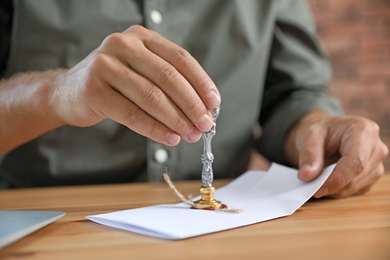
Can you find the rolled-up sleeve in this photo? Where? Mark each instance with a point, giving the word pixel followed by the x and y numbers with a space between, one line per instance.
pixel 297 78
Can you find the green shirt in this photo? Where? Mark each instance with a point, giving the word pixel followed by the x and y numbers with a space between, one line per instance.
pixel 263 56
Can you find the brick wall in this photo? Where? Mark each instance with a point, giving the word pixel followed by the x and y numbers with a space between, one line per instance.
pixel 356 36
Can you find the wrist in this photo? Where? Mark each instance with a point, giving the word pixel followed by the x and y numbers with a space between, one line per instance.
pixel 26 108
pixel 46 101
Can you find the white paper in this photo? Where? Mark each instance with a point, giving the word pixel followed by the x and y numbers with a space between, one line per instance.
pixel 261 195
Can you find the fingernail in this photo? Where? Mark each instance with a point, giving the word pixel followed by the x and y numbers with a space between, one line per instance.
pixel 205 123
pixel 213 99
pixel 193 135
pixel 306 167
pixel 172 139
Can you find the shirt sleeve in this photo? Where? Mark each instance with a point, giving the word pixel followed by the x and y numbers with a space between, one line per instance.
pixel 5 32
pixel 297 78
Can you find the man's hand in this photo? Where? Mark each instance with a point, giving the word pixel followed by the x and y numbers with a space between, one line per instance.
pixel 319 139
pixel 143 81
pixel 137 78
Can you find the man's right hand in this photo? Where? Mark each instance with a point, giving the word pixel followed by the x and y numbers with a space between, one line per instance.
pixel 137 78
pixel 143 81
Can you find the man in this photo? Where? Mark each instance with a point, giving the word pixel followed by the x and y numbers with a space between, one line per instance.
pixel 104 91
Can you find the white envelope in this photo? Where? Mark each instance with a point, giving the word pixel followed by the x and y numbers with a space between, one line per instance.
pixel 261 195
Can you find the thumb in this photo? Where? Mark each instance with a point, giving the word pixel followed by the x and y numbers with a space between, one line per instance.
pixel 311 155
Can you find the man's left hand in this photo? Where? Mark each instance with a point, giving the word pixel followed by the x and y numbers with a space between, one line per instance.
pixel 319 139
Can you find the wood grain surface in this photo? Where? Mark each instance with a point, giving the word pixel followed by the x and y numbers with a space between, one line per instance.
pixel 352 228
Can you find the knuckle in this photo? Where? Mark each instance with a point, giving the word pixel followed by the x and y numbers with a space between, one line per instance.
pixel 133 116
pixel 340 185
pixel 181 57
pixel 114 40
pixel 138 30
pixel 119 42
pixel 385 150
pixel 154 129
pixel 195 106
pixel 372 127
pixel 358 164
pixel 100 62
pixel 154 97
pixel 311 129
pixel 92 81
pixel 375 128
pixel 180 124
pixel 205 82
pixel 308 137
pixel 357 124
pixel 168 75
pixel 379 172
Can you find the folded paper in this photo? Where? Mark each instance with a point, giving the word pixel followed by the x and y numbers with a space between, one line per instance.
pixel 262 196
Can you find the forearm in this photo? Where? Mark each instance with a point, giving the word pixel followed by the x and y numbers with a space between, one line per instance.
pixel 26 109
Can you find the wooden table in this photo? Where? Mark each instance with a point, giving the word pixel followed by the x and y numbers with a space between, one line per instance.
pixel 352 228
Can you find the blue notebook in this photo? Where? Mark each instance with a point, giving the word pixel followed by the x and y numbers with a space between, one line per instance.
pixel 15 224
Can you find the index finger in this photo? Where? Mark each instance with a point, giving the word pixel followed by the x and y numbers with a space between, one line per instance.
pixel 188 66
pixel 346 170
pixel 356 149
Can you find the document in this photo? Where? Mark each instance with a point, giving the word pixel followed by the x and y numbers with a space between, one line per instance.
pixel 261 196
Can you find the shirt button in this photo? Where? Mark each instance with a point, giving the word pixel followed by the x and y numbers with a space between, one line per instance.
pixel 156 16
pixel 161 155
